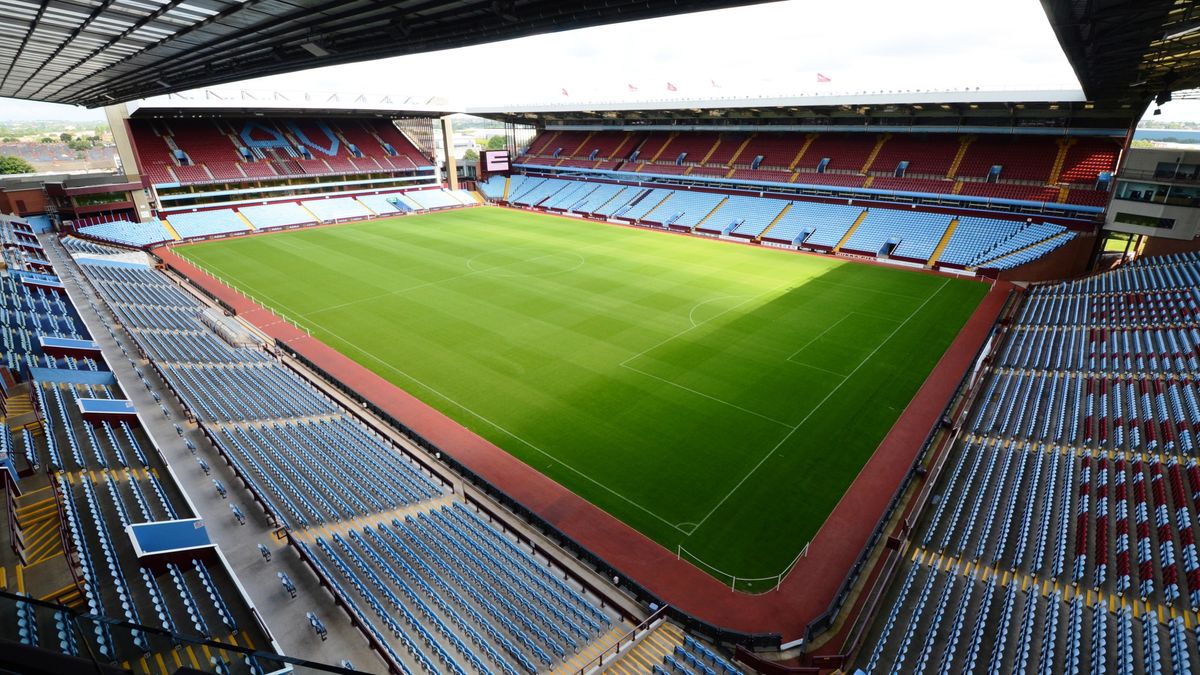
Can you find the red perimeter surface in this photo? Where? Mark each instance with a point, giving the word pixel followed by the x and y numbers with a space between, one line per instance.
pixel 804 594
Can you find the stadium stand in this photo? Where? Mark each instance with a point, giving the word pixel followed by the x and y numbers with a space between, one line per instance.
pixel 336 209
pixel 129 233
pixel 442 583
pixel 1064 538
pixel 1030 168
pixel 83 483
pixel 207 223
pixel 909 235
pixel 234 150
pixel 380 204
pixel 277 215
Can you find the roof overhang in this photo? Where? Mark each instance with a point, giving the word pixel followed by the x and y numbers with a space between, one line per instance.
pixel 1059 108
pixel 252 102
pixel 96 52
pixel 1129 51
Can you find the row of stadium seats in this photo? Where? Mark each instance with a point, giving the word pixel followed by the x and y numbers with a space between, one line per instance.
pixel 129 233
pixel 1032 159
pixel 189 151
pixel 973 242
pixel 243 219
pixel 1068 506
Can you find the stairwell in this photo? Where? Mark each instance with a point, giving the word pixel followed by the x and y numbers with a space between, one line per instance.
pixel 941 246
pixel 850 232
pixel 775 221
pixel 958 157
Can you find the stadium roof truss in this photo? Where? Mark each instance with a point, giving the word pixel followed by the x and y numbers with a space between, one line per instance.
pixel 1130 52
pixel 96 52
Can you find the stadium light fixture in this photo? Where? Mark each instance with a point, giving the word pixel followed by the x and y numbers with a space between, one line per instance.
pixel 315 49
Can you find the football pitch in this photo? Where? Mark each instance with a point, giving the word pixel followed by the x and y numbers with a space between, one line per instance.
pixel 714 396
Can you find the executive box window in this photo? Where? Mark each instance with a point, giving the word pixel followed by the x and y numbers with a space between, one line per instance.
pixel 1143 221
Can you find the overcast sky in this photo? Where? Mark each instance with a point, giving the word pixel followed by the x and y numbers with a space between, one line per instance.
pixel 776 48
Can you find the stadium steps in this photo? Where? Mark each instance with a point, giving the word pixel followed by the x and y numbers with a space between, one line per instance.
pixel 577 149
pixel 249 225
pixel 941 246
pixel 305 208
pixel 1066 234
pixel 1062 194
pixel 786 208
pixel 171 229
pixel 656 206
pixel 608 201
pixel 958 157
pixel 738 153
pixel 39 527
pixel 187 655
pixel 17 404
pixel 711 213
pixel 477 197
pixel 616 153
pixel 850 232
pixel 664 147
pixel 957 189
pixel 68 595
pixel 369 209
pixel 1064 145
pixel 507 184
pixel 875 152
pixel 868 181
pixel 580 661
pixel 1047 587
pixel 649 652
pixel 710 152
pixel 344 527
pixel 808 140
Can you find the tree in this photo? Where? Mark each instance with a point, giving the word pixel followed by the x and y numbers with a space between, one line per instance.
pixel 470 155
pixel 497 143
pixel 65 137
pixel 11 164
pixel 47 139
pixel 10 139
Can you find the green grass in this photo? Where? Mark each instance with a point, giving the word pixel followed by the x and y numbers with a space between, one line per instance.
pixel 717 396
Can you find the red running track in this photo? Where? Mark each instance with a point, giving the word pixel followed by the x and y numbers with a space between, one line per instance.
pixel 803 595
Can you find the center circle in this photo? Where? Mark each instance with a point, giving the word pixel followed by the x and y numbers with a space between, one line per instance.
pixel 524 261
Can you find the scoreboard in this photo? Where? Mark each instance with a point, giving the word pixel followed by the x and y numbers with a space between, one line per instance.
pixel 493 161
